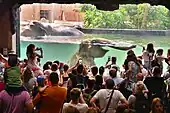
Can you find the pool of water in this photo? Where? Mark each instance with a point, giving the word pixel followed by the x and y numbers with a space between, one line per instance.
pixel 64 50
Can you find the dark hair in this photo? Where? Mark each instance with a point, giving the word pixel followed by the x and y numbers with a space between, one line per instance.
pixel 54 67
pixel 73 79
pixel 54 78
pixel 74 72
pixel 46 66
pixel 150 48
pixel 110 84
pixel 75 94
pixel 30 49
pixel 94 70
pixel 80 69
pixel 114 59
pixel 168 53
pixel 49 63
pixel 101 70
pixel 90 83
pixel 65 67
pixel 131 57
pixel 12 60
pixel 156 71
pixel 99 80
pixel 113 73
pixel 130 52
pixel 159 51
pixel 57 62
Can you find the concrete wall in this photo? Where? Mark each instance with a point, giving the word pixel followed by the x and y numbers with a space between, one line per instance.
pixel 66 12
pixel 5 32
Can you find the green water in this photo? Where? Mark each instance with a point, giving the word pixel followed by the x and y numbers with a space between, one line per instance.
pixel 64 51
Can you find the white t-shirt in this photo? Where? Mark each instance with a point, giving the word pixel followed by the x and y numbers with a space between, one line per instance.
pixel 82 108
pixel 146 55
pixel 103 96
pixel 117 80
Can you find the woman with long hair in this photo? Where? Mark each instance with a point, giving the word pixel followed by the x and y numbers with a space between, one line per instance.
pixel 131 64
pixel 32 59
pixel 148 56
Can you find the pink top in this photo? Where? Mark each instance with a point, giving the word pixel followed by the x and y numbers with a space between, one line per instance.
pixel 14 103
pixel 2 86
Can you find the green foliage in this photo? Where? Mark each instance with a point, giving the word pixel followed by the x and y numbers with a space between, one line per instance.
pixel 142 16
pixel 88 7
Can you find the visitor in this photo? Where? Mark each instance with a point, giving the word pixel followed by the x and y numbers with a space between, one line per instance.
pixel 143 70
pixel 98 83
pixel 113 74
pixel 32 59
pixel 168 57
pixel 140 78
pixel 12 74
pixel 77 101
pixel 52 98
pixel 81 78
pixel 132 65
pixel 15 100
pixel 160 58
pixel 29 81
pixel 138 100
pixel 101 71
pixel 103 96
pixel 126 86
pixel 157 106
pixel 40 87
pixel 148 56
pixel 156 85
pixel 65 75
pixel 3 62
pixel 89 91
pixel 112 64
pixel 94 71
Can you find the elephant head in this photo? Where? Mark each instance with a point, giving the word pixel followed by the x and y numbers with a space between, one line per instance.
pixel 91 49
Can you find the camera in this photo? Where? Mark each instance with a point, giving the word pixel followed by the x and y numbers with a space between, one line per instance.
pixel 150 54
pixel 80 61
pixel 109 58
pixel 38 48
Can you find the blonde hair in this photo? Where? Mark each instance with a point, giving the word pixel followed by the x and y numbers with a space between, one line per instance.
pixel 154 102
pixel 139 87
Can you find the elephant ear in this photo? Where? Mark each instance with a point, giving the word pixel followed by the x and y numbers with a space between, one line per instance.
pixel 97 51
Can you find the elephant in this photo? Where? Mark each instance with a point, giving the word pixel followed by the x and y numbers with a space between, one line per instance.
pixel 38 29
pixel 91 49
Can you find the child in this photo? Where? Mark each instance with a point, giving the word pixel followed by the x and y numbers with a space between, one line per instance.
pixel 12 74
pixel 39 88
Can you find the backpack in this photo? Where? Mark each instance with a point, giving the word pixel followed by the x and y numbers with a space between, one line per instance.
pixel 87 97
pixel 81 80
pixel 141 103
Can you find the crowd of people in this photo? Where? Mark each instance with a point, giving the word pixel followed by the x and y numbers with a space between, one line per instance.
pixel 141 87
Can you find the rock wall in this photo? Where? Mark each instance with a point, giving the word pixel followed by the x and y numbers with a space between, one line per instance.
pixel 126 31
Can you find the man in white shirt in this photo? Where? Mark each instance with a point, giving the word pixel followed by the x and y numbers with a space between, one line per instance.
pixel 77 101
pixel 103 96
